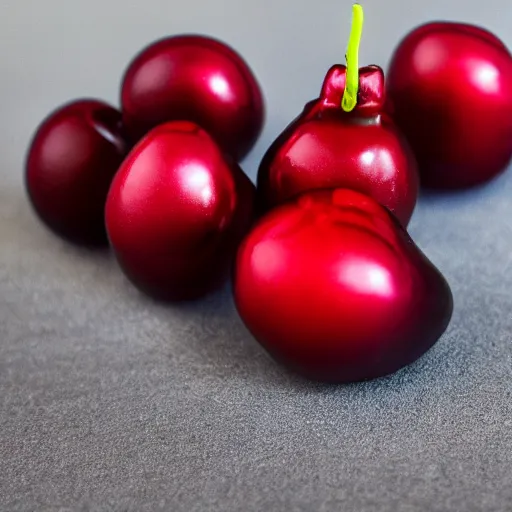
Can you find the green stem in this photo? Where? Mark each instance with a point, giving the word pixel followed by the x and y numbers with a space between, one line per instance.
pixel 349 100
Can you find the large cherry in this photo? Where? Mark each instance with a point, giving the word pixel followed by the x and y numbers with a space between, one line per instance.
pixel 70 164
pixel 333 287
pixel 199 79
pixel 450 91
pixel 333 146
pixel 176 212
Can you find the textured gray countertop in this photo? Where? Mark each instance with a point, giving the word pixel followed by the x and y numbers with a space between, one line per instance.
pixel 110 402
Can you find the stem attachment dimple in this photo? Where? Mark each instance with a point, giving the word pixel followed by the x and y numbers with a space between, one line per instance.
pixel 349 101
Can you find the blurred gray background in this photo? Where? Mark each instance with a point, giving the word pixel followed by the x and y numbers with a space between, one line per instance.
pixel 110 402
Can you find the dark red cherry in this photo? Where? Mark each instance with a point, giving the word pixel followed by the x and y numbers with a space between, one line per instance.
pixel 176 212
pixel 326 147
pixel 333 287
pixel 450 92
pixel 195 78
pixel 72 159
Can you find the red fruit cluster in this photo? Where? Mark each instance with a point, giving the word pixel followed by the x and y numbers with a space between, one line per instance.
pixel 159 178
pixel 327 279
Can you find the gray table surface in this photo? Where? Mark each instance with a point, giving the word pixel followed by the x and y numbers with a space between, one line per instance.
pixel 109 402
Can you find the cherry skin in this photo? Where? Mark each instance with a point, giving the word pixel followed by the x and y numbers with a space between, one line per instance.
pixel 176 211
pixel 333 287
pixel 326 147
pixel 72 159
pixel 195 78
pixel 450 91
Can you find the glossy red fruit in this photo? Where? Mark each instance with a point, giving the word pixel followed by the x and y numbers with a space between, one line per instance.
pixel 450 91
pixel 176 212
pixel 195 78
pixel 333 287
pixel 326 147
pixel 70 164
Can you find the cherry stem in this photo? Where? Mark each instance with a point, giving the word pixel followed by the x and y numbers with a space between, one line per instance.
pixel 349 101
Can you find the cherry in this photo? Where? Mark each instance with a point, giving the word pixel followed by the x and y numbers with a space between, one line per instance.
pixel 450 91
pixel 195 78
pixel 332 286
pixel 343 139
pixel 176 212
pixel 70 164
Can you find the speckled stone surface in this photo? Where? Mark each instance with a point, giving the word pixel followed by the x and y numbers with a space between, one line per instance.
pixel 110 402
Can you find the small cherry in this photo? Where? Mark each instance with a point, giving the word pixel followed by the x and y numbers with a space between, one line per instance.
pixel 176 211
pixel 199 79
pixel 332 286
pixel 343 139
pixel 450 91
pixel 72 159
